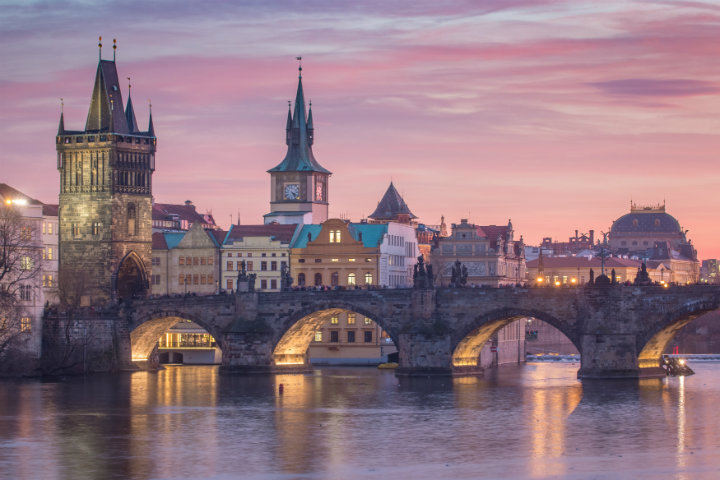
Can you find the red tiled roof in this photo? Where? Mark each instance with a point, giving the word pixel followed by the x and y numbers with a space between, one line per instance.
pixel 50 210
pixel 158 241
pixel 281 232
pixel 161 211
pixel 492 231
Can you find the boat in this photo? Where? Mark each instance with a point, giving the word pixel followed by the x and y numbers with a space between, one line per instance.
pixel 676 366
pixel 388 365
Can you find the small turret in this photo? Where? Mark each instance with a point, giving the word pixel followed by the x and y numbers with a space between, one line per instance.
pixel 151 128
pixel 288 127
pixel 130 115
pixel 310 129
pixel 61 127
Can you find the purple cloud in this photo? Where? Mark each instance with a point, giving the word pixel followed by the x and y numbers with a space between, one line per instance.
pixel 647 87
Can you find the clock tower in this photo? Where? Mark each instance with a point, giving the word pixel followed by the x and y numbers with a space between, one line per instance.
pixel 299 184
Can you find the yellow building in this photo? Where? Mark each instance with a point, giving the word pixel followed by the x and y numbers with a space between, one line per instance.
pixel 185 262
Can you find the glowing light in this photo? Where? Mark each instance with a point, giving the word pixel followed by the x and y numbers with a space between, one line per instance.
pixel 573 281
pixel 16 201
pixel 289 362
pixel 681 361
pixel 539 279
pixel 557 283
pixel 665 285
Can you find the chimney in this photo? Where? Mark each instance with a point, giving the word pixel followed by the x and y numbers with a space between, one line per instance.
pixel 592 237
pixel 188 203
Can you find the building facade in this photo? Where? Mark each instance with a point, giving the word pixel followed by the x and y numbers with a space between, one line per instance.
pixel 169 217
pixel 185 262
pixel 572 271
pixel 105 216
pixel 490 253
pixel 265 251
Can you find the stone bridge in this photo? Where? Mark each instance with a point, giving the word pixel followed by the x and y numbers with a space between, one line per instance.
pixel 620 331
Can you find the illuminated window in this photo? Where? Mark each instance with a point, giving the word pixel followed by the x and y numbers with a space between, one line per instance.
pixel 368 321
pixel 230 284
pixel 318 336
pixel 181 261
pixel 351 259
pixel 96 228
pixel 25 324
pixel 210 260
pixel 368 260
pixel 351 279
pixel 229 265
pixel 351 319
pixel 334 259
pixel 26 262
pixel 26 234
pixel 334 320
pixel 368 278
pixel 50 228
pixel 249 266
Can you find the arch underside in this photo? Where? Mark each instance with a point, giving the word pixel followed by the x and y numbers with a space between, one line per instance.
pixel 651 353
pixel 146 335
pixel 467 352
pixel 293 346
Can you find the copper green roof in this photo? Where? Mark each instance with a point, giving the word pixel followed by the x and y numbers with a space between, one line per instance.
pixel 299 139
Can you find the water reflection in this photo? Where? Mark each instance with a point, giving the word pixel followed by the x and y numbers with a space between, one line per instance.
pixel 532 421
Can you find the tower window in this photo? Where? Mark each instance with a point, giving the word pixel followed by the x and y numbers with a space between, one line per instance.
pixel 131 219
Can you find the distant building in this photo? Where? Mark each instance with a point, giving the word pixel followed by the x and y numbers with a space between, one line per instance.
pixel 265 249
pixel 392 208
pixel 50 253
pixel 574 245
pixel 490 253
pixel 569 271
pixel 710 271
pixel 188 343
pixel 168 217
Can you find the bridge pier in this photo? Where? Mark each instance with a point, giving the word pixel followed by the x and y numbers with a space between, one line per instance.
pixel 422 354
pixel 610 355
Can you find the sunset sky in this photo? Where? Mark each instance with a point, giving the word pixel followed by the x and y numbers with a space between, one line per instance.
pixel 553 113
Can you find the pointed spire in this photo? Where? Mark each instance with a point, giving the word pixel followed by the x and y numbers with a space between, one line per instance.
pixel 288 126
pixel 299 156
pixel 114 48
pixel 100 49
pixel 391 206
pixel 61 127
pixel 151 128
pixel 106 112
pixel 130 112
pixel 310 129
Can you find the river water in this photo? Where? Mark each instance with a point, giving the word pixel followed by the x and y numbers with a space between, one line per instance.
pixel 528 421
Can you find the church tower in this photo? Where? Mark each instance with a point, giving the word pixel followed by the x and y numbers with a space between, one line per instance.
pixel 299 184
pixel 105 214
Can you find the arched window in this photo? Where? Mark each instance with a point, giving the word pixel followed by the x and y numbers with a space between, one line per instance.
pixel 351 279
pixel 318 279
pixel 334 236
pixel 335 279
pixel 131 219
pixel 301 279
pixel 368 278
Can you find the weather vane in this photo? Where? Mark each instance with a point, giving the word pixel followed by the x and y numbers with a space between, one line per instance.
pixel 299 59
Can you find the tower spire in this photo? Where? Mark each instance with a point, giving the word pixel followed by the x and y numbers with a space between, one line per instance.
pixel 114 48
pixel 100 48
pixel 130 112
pixel 61 127
pixel 151 128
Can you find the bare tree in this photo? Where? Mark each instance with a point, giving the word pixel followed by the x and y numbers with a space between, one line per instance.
pixel 20 269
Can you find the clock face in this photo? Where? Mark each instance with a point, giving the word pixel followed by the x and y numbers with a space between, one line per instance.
pixel 318 191
pixel 292 191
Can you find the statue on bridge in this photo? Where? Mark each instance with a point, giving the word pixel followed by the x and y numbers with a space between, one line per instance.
pixel 422 274
pixel 459 274
pixel 245 282
pixel 285 279
pixel 643 277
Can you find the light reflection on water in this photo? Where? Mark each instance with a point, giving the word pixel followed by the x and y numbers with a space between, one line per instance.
pixel 531 421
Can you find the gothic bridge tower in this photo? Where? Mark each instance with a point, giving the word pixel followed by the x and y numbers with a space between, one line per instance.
pixel 105 215
pixel 299 184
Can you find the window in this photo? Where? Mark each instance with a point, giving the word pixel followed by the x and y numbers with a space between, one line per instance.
pixel 181 261
pixel 263 254
pixel 334 336
pixel 263 266
pixel 334 319
pixel 368 321
pixel 318 260
pixel 351 279
pixel 202 260
pixel 351 336
pixel 188 261
pixel 230 284
pixel 229 265
pixel 181 279
pixel 25 293
pixel 96 228
pixel 263 284
pixel 50 229
pixel 249 266
pixel 318 336
pixel 75 229
pixel 301 279
pixel 210 260
pixel 334 259
pixel 49 253
pixel 26 234
pixel 44 228
pixel 155 279
pixel 45 281
pixel 49 280
pixel 196 279
pixel 273 283
pixel 368 260
pixel 26 263
pixel 196 261
pixel 229 254
pixel 203 279
pixel 273 255
pixel 156 261
pixel 335 279
pixel 368 278
pixel 368 336
pixel 250 254
pixel 25 324
pixel 239 265
pixel 351 259
pixel 301 260
pixel 351 319
pixel 318 279
pixel 131 219
pixel 334 236
pixel 273 266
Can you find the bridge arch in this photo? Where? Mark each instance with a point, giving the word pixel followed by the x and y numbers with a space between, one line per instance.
pixel 469 340
pixel 290 347
pixel 653 343
pixel 147 329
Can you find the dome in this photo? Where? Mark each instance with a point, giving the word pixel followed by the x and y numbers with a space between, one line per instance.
pixel 646 222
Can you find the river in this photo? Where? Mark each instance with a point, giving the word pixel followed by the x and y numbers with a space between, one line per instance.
pixel 528 421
